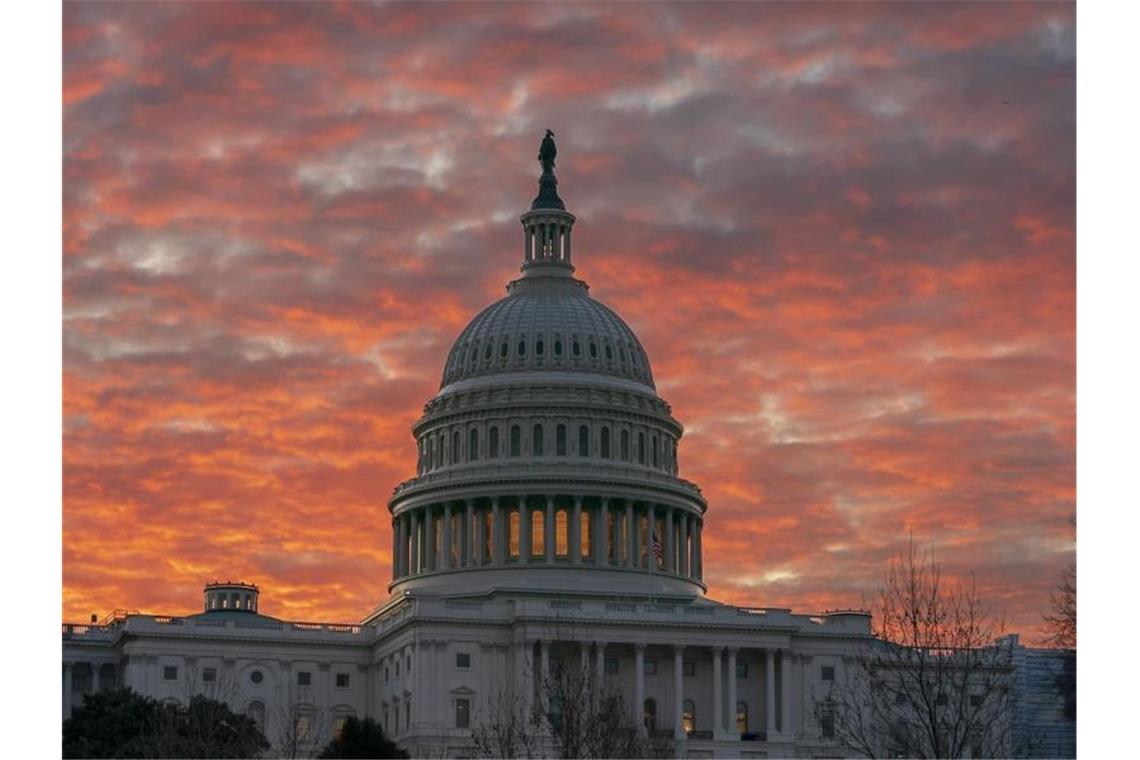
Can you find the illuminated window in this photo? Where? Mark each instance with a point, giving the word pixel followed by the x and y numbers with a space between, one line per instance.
pixel 561 537
pixel 513 537
pixel 688 716
pixel 741 717
pixel 643 551
pixel 611 536
pixel 303 726
pixel 537 533
pixel 584 533
pixel 488 535
pixel 560 440
pixel 536 442
pixel 338 725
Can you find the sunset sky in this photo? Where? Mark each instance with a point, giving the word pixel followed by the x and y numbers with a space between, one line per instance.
pixel 843 232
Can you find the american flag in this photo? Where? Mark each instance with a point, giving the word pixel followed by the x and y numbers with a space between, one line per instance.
pixel 656 543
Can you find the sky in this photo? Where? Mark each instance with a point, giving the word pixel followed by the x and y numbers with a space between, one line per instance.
pixel 844 234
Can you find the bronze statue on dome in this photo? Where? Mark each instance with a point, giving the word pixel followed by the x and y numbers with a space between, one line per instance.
pixel 547 152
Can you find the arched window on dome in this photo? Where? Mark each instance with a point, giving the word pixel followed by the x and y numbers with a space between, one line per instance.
pixel 539 347
pixel 688 716
pixel 586 546
pixel 641 448
pixel 560 440
pixel 474 357
pixel 656 457
pixel 593 349
pixel 493 442
pixel 576 348
pixel 557 346
pixel 503 350
pixel 649 715
pixel 609 353
pixel 561 533
pixel 538 533
pixel 625 445
pixel 516 441
pixel 473 445
pixel 522 346
pixel 487 352
pixel 583 441
pixel 605 442
pixel 537 441
pixel 513 534
pixel 455 447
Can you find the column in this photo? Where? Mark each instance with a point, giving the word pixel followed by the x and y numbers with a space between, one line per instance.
pixel 480 537
pixel 670 559
pixel 94 678
pixel 730 674
pixel 529 242
pixel 405 541
pixel 718 713
pixel 770 692
pixel 524 532
pixel 786 691
pixel 683 554
pixel 631 529
pixel 524 675
pixel 566 254
pixel 447 539
pixel 498 534
pixel 431 557
pixel 415 559
pixel 548 531
pixel 639 686
pixel 576 532
pixel 678 691
pixel 68 685
pixel 599 670
pixel 698 557
pixel 601 538
pixel 395 548
pixel 469 534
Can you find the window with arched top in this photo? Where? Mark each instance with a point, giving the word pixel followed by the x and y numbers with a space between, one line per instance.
pixel 473 445
pixel 649 714
pixel 455 447
pixel 487 353
pixel 583 441
pixel 576 348
pixel 625 445
pixel 561 533
pixel 256 712
pixel 605 442
pixel 741 717
pixel 538 533
pixel 522 346
pixel 493 443
pixel 641 448
pixel 689 716
pixel 539 347
pixel 558 347
pixel 609 353
pixel 593 350
pixel 656 458
pixel 560 440
pixel 537 441
pixel 503 350
pixel 513 535
pixel 516 441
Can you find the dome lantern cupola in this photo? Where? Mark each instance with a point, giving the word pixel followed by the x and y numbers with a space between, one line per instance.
pixel 546 226
pixel 231 596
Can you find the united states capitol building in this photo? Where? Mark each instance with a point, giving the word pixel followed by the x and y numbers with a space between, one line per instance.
pixel 547 523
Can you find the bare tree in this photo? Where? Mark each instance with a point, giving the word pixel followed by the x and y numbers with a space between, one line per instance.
pixel 301 729
pixel 569 715
pixel 1061 620
pixel 937 681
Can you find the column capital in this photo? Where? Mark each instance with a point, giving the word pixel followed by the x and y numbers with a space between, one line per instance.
pixel 639 647
pixel 678 649
pixel 732 650
pixel 717 648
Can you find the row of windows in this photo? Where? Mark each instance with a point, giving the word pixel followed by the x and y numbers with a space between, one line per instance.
pixel 661 451
pixel 473 354
pixel 210 675
pixel 388 669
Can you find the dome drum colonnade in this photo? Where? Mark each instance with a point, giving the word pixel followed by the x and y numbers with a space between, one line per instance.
pixel 547 444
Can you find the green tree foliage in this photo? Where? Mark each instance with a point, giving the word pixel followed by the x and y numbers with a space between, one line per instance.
pixel 124 724
pixel 362 739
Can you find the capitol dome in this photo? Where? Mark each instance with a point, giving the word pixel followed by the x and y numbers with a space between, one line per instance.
pixel 547 461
